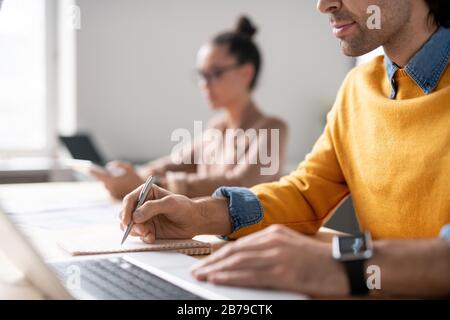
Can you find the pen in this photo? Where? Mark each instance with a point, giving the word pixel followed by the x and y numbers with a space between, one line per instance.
pixel 142 196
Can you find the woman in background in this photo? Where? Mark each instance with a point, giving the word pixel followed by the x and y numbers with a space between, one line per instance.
pixel 228 67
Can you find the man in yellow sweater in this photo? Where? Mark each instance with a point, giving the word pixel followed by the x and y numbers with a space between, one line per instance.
pixel 386 142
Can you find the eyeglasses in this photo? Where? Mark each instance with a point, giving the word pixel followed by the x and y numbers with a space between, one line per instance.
pixel 216 74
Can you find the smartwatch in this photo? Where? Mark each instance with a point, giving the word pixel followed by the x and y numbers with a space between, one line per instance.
pixel 352 252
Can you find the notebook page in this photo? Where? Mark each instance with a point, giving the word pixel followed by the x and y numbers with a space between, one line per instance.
pixel 106 239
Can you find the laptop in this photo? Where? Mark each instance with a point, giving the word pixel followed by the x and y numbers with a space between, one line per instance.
pixel 138 276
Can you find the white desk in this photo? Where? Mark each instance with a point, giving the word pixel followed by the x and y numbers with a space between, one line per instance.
pixel 43 197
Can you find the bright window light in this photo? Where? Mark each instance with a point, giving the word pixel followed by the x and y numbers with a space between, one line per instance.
pixel 23 76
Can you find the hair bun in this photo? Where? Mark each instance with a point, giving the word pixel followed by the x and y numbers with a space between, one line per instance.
pixel 244 26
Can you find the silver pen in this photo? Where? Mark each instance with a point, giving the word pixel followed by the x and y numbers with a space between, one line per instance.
pixel 142 197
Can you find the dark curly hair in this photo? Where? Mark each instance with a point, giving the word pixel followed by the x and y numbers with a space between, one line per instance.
pixel 440 11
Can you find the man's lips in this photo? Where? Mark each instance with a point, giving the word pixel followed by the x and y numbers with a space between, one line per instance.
pixel 339 29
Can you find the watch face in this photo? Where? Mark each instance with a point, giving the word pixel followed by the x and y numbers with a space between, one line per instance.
pixel 354 245
pixel 348 248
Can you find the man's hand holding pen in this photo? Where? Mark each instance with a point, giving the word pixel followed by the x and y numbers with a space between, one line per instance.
pixel 165 215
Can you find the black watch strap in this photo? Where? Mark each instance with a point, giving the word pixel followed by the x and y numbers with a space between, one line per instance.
pixel 356 278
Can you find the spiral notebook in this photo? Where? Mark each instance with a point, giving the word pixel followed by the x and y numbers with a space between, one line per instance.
pixel 106 239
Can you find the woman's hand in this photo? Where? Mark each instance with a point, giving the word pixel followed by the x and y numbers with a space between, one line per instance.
pixel 277 258
pixel 119 179
pixel 171 216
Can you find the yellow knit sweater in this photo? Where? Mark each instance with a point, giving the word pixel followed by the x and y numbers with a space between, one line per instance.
pixel 392 155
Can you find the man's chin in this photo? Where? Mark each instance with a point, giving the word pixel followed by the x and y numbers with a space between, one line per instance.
pixel 352 51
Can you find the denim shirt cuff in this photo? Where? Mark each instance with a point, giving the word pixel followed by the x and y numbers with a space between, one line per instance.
pixel 445 233
pixel 244 207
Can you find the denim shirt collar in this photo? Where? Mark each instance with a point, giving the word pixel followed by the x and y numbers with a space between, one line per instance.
pixel 427 65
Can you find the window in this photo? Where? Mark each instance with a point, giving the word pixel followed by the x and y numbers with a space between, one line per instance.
pixel 24 107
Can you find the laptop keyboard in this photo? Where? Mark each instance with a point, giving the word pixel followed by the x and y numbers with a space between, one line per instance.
pixel 116 278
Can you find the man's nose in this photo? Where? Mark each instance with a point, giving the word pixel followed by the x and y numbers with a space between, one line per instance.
pixel 328 6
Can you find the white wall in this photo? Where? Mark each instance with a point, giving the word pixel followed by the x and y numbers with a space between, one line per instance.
pixel 135 60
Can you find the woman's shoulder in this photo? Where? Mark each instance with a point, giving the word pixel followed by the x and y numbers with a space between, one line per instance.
pixel 272 122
